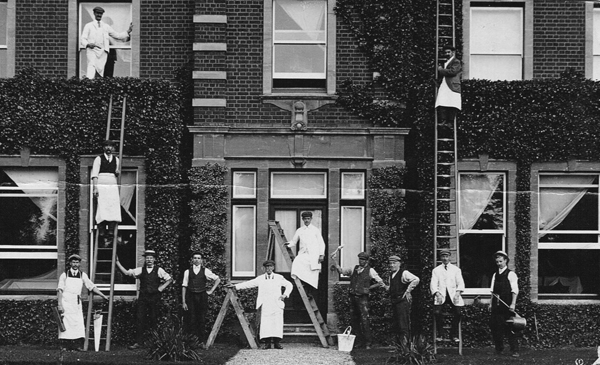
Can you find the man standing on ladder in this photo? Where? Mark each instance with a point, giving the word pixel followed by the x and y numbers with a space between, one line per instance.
pixel 69 288
pixel 105 170
pixel 307 265
pixel 446 286
pixel 448 101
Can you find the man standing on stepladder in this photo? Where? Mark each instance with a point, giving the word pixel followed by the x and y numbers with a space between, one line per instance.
pixel 448 101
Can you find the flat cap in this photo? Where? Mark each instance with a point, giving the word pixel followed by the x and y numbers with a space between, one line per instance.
pixel 363 255
pixel 445 252
pixel 395 258
pixel 74 257
pixel 269 262
pixel 306 214
pixel 98 9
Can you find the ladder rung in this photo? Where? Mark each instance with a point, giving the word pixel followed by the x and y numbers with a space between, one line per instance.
pixel 445 139
pixel 446 163
pixel 444 187
pixel 445 175
pixel 446 224
pixel 445 151
pixel 446 199
pixel 446 212
pixel 443 236
pixel 445 36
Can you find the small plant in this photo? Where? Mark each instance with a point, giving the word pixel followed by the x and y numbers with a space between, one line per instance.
pixel 171 343
pixel 415 351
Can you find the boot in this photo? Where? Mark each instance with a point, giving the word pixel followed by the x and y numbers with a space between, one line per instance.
pixel 267 344
pixel 277 345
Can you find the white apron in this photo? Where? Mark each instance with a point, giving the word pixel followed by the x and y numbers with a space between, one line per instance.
pixel 109 205
pixel 73 315
pixel 306 265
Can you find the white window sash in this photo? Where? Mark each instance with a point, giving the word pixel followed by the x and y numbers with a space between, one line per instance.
pixel 348 254
pixel 299 196
pixel 234 261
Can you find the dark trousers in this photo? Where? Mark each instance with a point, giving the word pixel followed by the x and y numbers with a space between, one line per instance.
pixel 197 307
pixel 439 318
pixel 147 312
pixel 501 329
pixel 446 114
pixel 401 320
pixel 359 313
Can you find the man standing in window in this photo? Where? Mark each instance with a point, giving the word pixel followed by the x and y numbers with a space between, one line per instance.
pixel 270 301
pixel 194 296
pixel 105 170
pixel 402 282
pixel 360 284
pixel 448 101
pixel 307 265
pixel 153 281
pixel 505 289
pixel 69 288
pixel 446 286
pixel 95 38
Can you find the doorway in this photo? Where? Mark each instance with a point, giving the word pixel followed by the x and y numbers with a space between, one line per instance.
pixel 290 220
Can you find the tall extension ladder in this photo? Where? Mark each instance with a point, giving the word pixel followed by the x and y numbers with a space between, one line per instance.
pixel 277 239
pixel 113 108
pixel 446 171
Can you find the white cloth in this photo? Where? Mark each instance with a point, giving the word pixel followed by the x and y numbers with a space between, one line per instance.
pixel 109 204
pixel 99 35
pixel 447 281
pixel 186 275
pixel 447 97
pixel 71 303
pixel 512 279
pixel 269 291
pixel 306 265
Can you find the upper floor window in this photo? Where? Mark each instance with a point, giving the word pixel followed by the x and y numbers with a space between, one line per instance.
pixel 299 43
pixel 568 236
pixel 596 45
pixel 299 51
pixel 3 38
pixel 118 16
pixel 496 43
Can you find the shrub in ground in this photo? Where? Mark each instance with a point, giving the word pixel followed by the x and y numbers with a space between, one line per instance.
pixel 171 343
pixel 414 351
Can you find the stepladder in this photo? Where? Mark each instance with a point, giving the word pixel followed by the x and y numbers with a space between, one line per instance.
pixel 104 250
pixel 277 242
pixel 233 299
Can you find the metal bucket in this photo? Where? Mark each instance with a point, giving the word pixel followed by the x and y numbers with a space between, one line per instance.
pixel 517 323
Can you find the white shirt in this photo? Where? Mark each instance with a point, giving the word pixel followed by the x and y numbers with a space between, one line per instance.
pixel 186 275
pixel 96 164
pixel 162 274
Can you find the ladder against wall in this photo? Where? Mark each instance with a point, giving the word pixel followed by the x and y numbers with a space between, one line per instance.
pixel 104 259
pixel 446 171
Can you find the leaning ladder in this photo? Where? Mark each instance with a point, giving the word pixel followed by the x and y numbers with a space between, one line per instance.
pixel 277 239
pixel 114 104
pixel 446 172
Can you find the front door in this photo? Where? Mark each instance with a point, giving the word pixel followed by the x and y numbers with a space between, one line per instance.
pixel 290 219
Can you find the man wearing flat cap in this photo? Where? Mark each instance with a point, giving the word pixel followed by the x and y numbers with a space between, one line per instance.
pixel 69 289
pixel 360 284
pixel 96 39
pixel 152 281
pixel 446 286
pixel 505 289
pixel 307 264
pixel 402 282
pixel 105 189
pixel 270 301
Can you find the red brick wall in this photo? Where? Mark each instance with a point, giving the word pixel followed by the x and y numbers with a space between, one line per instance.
pixel 243 63
pixel 167 32
pixel 41 39
pixel 558 37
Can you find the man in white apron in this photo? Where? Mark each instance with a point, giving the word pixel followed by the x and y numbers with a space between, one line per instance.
pixel 270 302
pixel 69 289
pixel 446 286
pixel 105 170
pixel 448 101
pixel 307 264
pixel 95 38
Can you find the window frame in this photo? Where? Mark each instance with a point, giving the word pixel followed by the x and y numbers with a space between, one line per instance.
pixel 272 185
pixel 73 69
pixel 268 55
pixel 234 195
pixel 49 252
pixel 9 47
pixel 527 5
pixel 362 189
pixel 242 274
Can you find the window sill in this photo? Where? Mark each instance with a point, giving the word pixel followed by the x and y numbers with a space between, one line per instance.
pixel 569 301
pixel 298 95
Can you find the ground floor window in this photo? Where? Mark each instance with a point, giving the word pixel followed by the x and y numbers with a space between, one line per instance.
pixel 568 236
pixel 29 217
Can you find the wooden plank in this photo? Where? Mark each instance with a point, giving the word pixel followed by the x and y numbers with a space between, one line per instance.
pixel 243 320
pixel 219 320
pixel 311 313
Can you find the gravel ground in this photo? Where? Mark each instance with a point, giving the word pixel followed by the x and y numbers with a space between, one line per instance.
pixel 293 354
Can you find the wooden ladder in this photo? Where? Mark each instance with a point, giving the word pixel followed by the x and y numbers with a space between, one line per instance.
pixel 277 240
pixel 232 298
pixel 446 154
pixel 116 113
